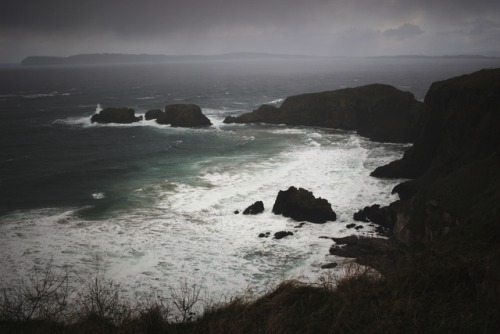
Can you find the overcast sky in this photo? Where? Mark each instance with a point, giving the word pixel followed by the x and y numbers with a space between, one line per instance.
pixel 311 27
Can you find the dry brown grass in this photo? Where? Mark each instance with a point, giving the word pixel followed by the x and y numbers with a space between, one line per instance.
pixel 432 292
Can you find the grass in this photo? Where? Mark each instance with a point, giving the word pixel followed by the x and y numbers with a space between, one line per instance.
pixel 429 292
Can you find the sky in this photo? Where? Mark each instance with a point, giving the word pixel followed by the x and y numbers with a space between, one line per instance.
pixel 300 27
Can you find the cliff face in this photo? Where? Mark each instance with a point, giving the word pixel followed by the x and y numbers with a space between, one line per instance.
pixel 460 124
pixel 379 112
pixel 456 165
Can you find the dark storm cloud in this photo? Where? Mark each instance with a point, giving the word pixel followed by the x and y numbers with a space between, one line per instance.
pixel 289 26
pixel 141 17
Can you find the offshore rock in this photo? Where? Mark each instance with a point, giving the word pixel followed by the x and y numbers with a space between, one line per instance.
pixel 301 205
pixel 254 209
pixel 154 114
pixel 379 112
pixel 282 234
pixel 183 115
pixel 116 115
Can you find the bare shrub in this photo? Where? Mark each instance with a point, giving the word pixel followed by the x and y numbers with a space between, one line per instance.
pixel 186 300
pixel 154 304
pixel 330 279
pixel 43 295
pixel 101 299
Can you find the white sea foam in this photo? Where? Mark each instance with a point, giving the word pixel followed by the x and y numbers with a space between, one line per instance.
pixel 146 98
pixel 277 101
pixel 51 94
pixel 191 232
pixel 79 121
pixel 34 96
pixel 98 195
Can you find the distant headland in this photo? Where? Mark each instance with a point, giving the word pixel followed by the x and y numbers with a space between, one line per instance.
pixel 120 58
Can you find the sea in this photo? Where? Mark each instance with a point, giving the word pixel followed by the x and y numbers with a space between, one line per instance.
pixel 151 205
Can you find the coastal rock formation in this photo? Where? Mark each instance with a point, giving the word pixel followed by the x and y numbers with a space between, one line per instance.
pixel 379 112
pixel 183 115
pixel 154 114
pixel 366 250
pixel 282 234
pixel 456 165
pixel 301 205
pixel 330 265
pixel 385 216
pixel 461 122
pixel 254 209
pixel 116 115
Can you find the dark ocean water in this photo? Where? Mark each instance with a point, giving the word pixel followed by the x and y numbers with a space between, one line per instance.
pixel 155 203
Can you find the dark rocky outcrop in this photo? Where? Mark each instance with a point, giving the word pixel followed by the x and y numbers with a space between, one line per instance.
pixel 385 216
pixel 301 205
pixel 282 234
pixel 366 250
pixel 116 115
pixel 154 114
pixel 379 112
pixel 183 115
pixel 254 209
pixel 460 124
pixel 455 163
pixel 329 265
pixel 264 114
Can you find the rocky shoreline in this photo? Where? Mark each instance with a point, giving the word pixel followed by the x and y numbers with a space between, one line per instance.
pixel 454 193
pixel 453 165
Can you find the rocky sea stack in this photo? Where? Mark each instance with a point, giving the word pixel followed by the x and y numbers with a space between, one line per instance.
pixel 254 209
pixel 116 115
pixel 183 115
pixel 301 205
pixel 153 114
pixel 379 112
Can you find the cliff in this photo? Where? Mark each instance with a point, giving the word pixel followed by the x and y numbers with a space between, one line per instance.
pixel 455 166
pixel 379 112
pixel 460 124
